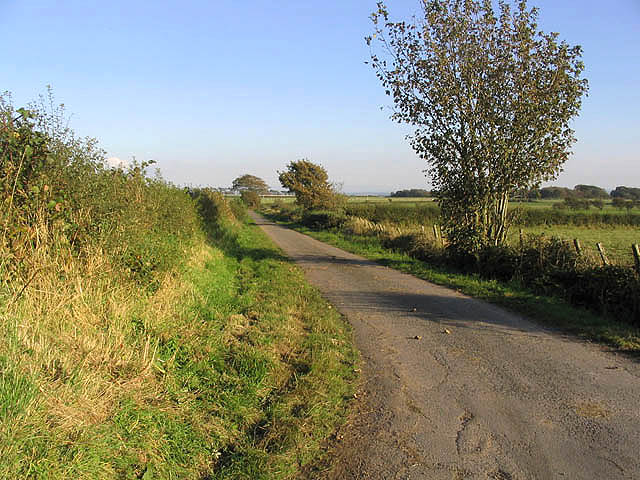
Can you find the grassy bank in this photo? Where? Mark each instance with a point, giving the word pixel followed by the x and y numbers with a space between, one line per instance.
pixel 233 368
pixel 551 311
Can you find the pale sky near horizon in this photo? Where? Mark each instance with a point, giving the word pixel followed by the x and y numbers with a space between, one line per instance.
pixel 213 90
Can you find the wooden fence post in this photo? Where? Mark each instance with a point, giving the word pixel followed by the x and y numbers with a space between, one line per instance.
pixel 521 239
pixel 603 254
pixel 636 255
pixel 435 232
pixel 440 235
pixel 576 243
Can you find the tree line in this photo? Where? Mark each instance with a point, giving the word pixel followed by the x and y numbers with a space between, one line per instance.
pixel 579 191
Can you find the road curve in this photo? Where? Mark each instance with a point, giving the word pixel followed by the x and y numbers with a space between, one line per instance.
pixel 457 388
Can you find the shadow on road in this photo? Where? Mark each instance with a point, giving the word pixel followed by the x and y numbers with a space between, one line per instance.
pixel 446 310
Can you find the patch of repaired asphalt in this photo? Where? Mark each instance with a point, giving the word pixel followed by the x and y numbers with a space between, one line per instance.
pixel 457 388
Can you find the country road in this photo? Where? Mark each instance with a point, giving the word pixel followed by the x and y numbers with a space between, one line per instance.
pixel 455 388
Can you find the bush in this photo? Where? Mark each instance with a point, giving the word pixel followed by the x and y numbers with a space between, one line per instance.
pixel 58 195
pixel 250 198
pixel 238 209
pixel 611 290
pixel 321 220
pixel 548 266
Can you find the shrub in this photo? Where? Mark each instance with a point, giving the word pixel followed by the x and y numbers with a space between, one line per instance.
pixel 322 219
pixel 238 209
pixel 612 290
pixel 250 198
pixel 57 194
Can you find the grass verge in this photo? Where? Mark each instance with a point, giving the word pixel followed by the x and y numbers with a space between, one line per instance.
pixel 233 368
pixel 550 311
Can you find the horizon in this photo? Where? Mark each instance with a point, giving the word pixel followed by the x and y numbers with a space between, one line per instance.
pixel 215 91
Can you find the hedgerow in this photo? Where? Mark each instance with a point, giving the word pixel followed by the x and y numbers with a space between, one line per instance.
pixel 57 193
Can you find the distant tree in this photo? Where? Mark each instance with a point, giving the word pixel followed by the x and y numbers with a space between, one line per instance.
pixel 590 191
pixel 548 193
pixel 629 193
pixel 250 182
pixel 491 98
pixel 310 184
pixel 533 194
pixel 413 192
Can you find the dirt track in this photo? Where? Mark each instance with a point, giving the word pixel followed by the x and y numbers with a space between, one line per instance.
pixel 457 388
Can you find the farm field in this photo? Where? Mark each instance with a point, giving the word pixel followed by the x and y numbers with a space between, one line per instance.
pixel 544 204
pixel 616 240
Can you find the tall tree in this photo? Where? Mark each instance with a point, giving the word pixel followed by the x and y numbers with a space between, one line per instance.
pixel 590 191
pixel 491 98
pixel 630 193
pixel 310 184
pixel 250 182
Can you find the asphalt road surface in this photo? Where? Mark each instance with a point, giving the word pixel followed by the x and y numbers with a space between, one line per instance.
pixel 457 388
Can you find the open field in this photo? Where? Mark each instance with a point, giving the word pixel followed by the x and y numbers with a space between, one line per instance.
pixel 616 240
pixel 408 201
pixel 544 204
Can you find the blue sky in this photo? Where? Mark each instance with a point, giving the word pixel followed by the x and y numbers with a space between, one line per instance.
pixel 213 90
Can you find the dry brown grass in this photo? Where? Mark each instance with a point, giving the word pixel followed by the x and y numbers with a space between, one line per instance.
pixel 74 336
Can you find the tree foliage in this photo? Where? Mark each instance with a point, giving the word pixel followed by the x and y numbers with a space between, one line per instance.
pixel 310 184
pixel 250 182
pixel 547 193
pixel 250 198
pixel 491 98
pixel 630 193
pixel 412 192
pixel 590 191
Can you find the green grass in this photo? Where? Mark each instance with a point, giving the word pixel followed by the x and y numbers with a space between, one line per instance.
pixel 550 311
pixel 617 240
pixel 248 372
